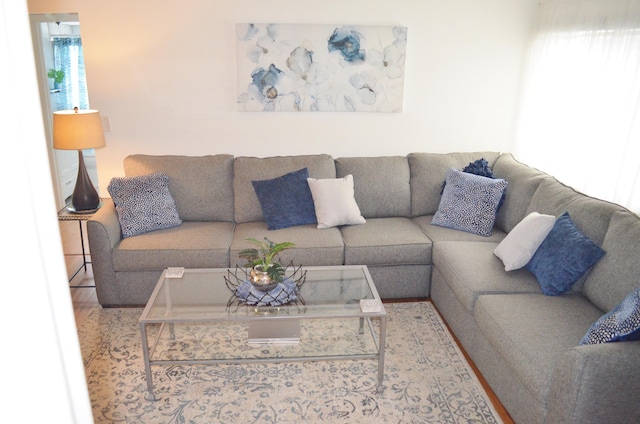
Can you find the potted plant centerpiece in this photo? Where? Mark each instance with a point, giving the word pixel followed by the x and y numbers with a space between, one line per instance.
pixel 266 270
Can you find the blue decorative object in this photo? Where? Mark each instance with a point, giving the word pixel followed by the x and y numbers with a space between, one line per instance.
pixel 266 81
pixel 347 42
pixel 562 258
pixel 282 294
pixel 621 324
pixel 479 167
pixel 469 202
pixel 286 201
pixel 143 204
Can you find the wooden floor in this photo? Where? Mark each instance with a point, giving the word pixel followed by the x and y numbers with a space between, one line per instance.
pixel 85 299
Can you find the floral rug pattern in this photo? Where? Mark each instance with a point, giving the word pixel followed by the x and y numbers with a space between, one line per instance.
pixel 426 379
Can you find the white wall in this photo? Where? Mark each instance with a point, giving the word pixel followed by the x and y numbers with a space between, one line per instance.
pixel 163 71
pixel 43 374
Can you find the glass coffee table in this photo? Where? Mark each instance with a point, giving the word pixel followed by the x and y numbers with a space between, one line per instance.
pixel 197 319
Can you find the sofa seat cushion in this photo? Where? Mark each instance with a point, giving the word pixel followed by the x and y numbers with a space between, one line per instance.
pixel 436 233
pixel 386 241
pixel 312 246
pixel 192 245
pixel 471 269
pixel 532 331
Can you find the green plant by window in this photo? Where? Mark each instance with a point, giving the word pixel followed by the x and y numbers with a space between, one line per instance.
pixel 56 75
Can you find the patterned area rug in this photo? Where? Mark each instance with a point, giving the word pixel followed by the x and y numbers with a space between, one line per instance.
pixel 426 379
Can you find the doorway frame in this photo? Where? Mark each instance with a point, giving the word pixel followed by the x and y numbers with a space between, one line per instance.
pixel 36 20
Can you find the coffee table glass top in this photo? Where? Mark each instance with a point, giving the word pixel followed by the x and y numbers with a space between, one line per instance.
pixel 203 294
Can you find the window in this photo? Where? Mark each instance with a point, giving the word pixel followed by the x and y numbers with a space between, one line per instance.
pixel 580 113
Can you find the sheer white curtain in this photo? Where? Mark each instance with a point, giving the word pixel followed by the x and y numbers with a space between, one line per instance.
pixel 580 112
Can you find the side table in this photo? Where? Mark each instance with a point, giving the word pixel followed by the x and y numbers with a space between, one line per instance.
pixel 65 214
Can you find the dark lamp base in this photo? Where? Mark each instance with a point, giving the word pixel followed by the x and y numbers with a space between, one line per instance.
pixel 85 196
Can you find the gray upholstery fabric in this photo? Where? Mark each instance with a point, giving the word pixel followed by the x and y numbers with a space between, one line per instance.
pixel 401 281
pixel 381 184
pixel 551 198
pixel 524 343
pixel 192 245
pixel 590 215
pixel 618 272
pixel 471 269
pixel 593 384
pixel 522 406
pixel 523 182
pixel 428 172
pixel 437 233
pixel 532 331
pixel 246 169
pixel 202 187
pixel 386 241
pixel 312 246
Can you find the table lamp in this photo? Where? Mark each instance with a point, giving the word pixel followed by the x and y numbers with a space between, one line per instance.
pixel 76 130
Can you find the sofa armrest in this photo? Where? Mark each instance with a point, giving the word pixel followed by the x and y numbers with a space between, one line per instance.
pixel 104 234
pixel 595 384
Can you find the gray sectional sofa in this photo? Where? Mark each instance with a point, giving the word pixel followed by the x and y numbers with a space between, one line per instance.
pixel 525 344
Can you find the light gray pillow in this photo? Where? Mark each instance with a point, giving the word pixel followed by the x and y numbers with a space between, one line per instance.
pixel 334 202
pixel 519 246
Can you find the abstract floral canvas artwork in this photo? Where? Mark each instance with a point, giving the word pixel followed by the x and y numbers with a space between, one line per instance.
pixel 320 68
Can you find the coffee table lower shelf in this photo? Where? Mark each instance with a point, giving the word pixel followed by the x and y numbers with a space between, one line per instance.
pixel 216 342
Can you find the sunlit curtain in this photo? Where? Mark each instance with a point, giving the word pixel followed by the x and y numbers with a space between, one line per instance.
pixel 67 55
pixel 580 113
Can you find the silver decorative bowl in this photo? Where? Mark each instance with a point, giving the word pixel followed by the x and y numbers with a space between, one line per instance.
pixel 261 280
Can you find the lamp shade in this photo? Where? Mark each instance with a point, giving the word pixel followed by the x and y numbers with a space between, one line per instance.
pixel 77 129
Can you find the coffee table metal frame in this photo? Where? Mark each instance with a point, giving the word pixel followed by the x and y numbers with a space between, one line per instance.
pixel 334 308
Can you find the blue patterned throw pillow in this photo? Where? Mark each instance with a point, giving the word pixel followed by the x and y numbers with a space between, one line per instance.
pixel 562 258
pixel 621 324
pixel 143 204
pixel 286 200
pixel 479 167
pixel 469 202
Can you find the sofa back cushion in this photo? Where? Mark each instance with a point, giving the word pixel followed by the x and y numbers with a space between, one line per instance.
pixel 429 171
pixel 381 184
pixel 618 272
pixel 201 186
pixel 590 215
pixel 523 181
pixel 246 169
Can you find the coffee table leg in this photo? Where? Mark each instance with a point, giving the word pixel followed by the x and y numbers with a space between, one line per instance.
pixel 147 365
pixel 383 342
pixel 361 329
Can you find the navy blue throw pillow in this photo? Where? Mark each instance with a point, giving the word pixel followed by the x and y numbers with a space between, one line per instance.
pixel 479 167
pixel 286 201
pixel 562 258
pixel 621 324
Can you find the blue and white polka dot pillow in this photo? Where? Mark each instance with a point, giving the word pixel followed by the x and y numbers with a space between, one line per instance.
pixel 143 204
pixel 621 324
pixel 469 202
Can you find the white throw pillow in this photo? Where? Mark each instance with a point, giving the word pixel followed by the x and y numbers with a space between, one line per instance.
pixel 335 202
pixel 519 246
